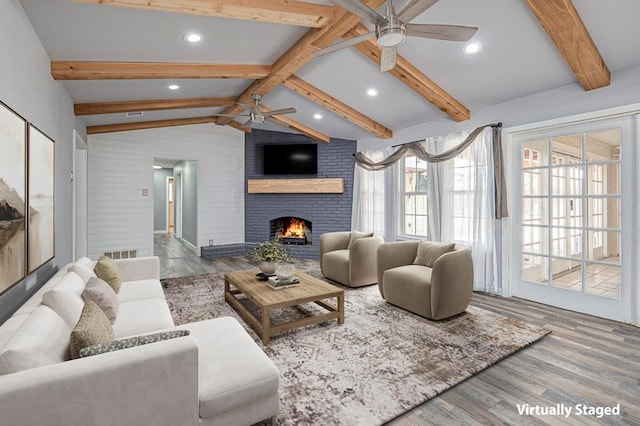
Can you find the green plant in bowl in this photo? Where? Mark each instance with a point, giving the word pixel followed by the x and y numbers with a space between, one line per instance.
pixel 268 254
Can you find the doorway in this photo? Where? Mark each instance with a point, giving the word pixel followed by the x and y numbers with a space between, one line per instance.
pixel 178 204
pixel 574 217
pixel 170 205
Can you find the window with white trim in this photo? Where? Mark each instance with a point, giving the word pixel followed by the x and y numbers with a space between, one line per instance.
pixel 571 200
pixel 414 197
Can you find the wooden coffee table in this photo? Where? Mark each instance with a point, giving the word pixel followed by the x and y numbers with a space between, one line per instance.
pixel 267 299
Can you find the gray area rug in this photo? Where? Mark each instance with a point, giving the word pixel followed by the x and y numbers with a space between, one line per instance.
pixel 381 363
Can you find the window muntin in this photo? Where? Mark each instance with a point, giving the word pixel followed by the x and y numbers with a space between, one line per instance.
pixel 582 175
pixel 414 196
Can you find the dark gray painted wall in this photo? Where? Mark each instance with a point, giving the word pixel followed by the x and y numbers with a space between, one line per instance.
pixel 189 200
pixel 160 198
pixel 327 212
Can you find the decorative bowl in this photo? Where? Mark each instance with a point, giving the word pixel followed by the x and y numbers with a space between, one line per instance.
pixel 268 268
pixel 285 271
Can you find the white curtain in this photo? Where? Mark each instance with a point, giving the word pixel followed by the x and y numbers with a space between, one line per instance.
pixel 467 205
pixel 368 212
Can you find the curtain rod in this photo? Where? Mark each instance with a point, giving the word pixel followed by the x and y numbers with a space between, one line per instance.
pixel 420 140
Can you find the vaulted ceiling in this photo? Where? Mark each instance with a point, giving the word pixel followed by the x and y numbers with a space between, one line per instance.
pixel 116 56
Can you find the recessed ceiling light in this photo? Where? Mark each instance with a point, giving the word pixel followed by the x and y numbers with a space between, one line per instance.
pixel 472 48
pixel 173 87
pixel 193 37
pixel 317 116
pixel 372 92
pixel 157 167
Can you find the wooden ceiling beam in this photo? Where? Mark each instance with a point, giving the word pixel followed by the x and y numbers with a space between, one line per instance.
pixel 412 77
pixel 299 55
pixel 568 32
pixel 96 108
pixel 289 12
pixel 327 101
pixel 299 127
pixel 75 70
pixel 122 127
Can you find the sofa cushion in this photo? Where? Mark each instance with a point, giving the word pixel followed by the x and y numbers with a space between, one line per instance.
pixel 93 327
pixel 42 339
pixel 83 272
pixel 142 317
pixel 233 371
pixel 86 262
pixel 410 287
pixel 102 295
pixel 335 265
pixel 355 236
pixel 131 342
pixel 65 298
pixel 430 251
pixel 106 269
pixel 140 290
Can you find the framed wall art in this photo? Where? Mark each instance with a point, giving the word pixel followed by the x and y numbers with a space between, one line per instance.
pixel 41 190
pixel 12 198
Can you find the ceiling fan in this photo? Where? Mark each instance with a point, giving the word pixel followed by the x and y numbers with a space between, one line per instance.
pixel 392 28
pixel 257 116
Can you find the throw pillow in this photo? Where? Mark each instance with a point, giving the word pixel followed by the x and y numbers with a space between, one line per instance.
pixel 130 342
pixel 106 269
pixel 355 235
pixel 103 295
pixel 430 251
pixel 83 272
pixel 93 327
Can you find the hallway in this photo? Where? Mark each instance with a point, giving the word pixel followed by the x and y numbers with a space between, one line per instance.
pixel 178 259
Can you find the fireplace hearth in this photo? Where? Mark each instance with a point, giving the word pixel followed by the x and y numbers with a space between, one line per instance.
pixel 291 230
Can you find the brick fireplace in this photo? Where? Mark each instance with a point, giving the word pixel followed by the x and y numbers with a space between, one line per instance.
pixel 291 230
pixel 322 212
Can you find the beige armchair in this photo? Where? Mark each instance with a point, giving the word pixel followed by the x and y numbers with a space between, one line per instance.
pixel 349 257
pixel 437 291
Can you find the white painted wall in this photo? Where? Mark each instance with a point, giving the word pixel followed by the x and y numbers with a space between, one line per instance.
pixel 26 86
pixel 121 166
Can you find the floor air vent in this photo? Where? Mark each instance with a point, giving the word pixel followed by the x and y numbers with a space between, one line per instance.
pixel 122 254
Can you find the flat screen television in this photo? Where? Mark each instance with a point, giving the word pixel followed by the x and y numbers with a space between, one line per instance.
pixel 297 159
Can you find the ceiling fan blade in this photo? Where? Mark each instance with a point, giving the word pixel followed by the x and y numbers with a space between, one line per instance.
pixel 441 32
pixel 279 112
pixel 388 58
pixel 274 121
pixel 414 8
pixel 341 45
pixel 361 9
pixel 247 123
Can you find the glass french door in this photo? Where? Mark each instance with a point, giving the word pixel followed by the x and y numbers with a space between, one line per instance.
pixel 575 216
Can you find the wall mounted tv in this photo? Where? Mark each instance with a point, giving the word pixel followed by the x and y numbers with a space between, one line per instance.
pixel 297 159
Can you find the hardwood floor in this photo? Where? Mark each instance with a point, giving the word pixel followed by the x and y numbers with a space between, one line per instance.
pixel 585 360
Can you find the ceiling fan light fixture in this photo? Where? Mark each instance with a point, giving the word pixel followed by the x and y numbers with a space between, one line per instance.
pixel 472 48
pixel 389 37
pixel 193 37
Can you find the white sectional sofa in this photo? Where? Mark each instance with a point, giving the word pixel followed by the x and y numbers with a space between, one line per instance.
pixel 217 375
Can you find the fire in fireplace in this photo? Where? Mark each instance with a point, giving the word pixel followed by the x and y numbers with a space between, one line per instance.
pixel 291 230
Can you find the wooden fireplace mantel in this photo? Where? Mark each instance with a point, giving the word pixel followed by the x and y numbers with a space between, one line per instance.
pixel 296 186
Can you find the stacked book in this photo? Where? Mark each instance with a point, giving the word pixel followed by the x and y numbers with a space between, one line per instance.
pixel 277 284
